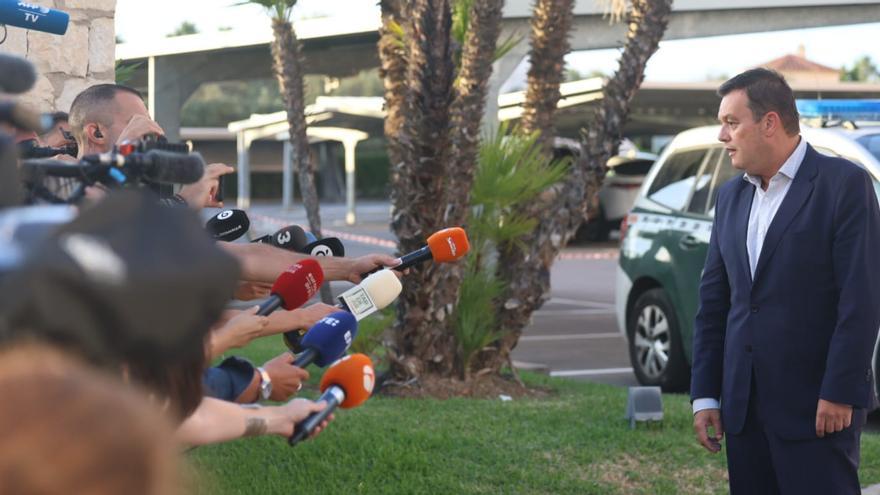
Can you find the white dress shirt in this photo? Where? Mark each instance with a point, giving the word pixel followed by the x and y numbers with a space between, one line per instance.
pixel 765 204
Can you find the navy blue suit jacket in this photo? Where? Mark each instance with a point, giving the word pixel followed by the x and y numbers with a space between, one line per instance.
pixel 805 327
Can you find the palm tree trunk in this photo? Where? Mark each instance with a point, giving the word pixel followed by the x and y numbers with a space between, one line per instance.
pixel 470 104
pixel 421 339
pixel 551 24
pixel 287 61
pixel 526 265
pixel 392 54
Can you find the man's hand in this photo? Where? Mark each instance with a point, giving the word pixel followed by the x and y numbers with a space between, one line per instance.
pixel 238 331
pixel 286 378
pixel 832 417
pixel 138 127
pixel 202 193
pixel 287 416
pixel 705 419
pixel 368 263
pixel 283 321
pixel 248 291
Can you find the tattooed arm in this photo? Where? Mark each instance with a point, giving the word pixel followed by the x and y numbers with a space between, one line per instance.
pixel 217 421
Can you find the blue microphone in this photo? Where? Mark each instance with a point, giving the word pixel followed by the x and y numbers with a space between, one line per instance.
pixel 328 340
pixel 34 17
pixel 310 237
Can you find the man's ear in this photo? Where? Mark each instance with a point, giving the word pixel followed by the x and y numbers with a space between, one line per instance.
pixel 771 123
pixel 94 134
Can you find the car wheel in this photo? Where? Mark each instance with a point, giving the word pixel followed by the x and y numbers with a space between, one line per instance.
pixel 655 347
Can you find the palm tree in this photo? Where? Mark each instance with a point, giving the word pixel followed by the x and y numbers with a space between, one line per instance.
pixel 431 181
pixel 525 265
pixel 392 53
pixel 287 61
pixel 551 23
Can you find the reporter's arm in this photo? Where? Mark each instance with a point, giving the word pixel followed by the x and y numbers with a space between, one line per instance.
pixel 263 263
pixel 217 421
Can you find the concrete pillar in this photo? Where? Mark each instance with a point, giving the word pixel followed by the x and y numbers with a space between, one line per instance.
pixel 243 146
pixel 350 145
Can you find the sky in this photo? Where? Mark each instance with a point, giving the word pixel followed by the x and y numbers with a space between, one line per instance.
pixel 675 61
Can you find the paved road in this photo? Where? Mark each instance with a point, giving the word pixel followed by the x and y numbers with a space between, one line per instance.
pixel 574 335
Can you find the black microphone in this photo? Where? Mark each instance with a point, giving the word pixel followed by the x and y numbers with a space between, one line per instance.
pixel 328 246
pixel 228 225
pixel 163 167
pixel 291 238
pixel 172 168
pixel 24 118
pixel 17 75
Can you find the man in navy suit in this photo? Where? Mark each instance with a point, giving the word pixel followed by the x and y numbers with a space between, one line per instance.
pixel 789 303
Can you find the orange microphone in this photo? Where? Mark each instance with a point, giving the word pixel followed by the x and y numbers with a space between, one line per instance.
pixel 347 383
pixel 443 246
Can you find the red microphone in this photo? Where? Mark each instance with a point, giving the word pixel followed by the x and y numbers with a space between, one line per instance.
pixel 347 383
pixel 294 287
pixel 443 246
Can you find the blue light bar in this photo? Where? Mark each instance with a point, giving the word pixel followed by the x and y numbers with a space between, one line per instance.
pixel 852 110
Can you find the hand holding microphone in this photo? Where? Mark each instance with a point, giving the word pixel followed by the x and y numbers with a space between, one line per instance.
pixel 294 287
pixel 347 383
pixel 443 246
pixel 375 293
pixel 328 340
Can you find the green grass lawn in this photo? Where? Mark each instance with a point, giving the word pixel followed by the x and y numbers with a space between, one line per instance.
pixel 575 441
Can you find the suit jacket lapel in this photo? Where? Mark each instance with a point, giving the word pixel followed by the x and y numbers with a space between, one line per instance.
pixel 743 209
pixel 797 195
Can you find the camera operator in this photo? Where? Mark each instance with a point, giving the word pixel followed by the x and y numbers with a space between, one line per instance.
pixel 107 115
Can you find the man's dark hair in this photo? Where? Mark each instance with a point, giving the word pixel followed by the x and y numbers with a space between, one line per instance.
pixel 767 92
pixel 88 103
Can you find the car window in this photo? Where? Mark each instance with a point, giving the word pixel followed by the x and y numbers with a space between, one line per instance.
pixel 674 181
pixel 725 172
pixel 704 184
pixel 635 167
pixel 871 142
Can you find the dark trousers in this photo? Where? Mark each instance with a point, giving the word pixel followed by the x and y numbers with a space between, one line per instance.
pixel 760 462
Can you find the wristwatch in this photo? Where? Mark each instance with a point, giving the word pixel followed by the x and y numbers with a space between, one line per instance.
pixel 265 384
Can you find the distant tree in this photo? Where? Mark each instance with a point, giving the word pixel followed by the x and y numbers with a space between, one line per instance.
pixel 365 83
pixel 571 75
pixel 863 70
pixel 224 29
pixel 185 28
pixel 119 39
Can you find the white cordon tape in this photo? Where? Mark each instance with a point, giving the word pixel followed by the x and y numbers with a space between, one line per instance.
pixel 610 254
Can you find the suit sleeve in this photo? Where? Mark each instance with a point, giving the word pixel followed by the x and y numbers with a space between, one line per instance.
pixel 856 261
pixel 711 321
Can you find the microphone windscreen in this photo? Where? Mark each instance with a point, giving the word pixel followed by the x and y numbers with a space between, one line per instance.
pixel 291 238
pixel 383 287
pixel 355 375
pixel 448 244
pixel 265 239
pixel 331 336
pixel 299 283
pixel 166 167
pixel 17 75
pixel 228 225
pixel 328 246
